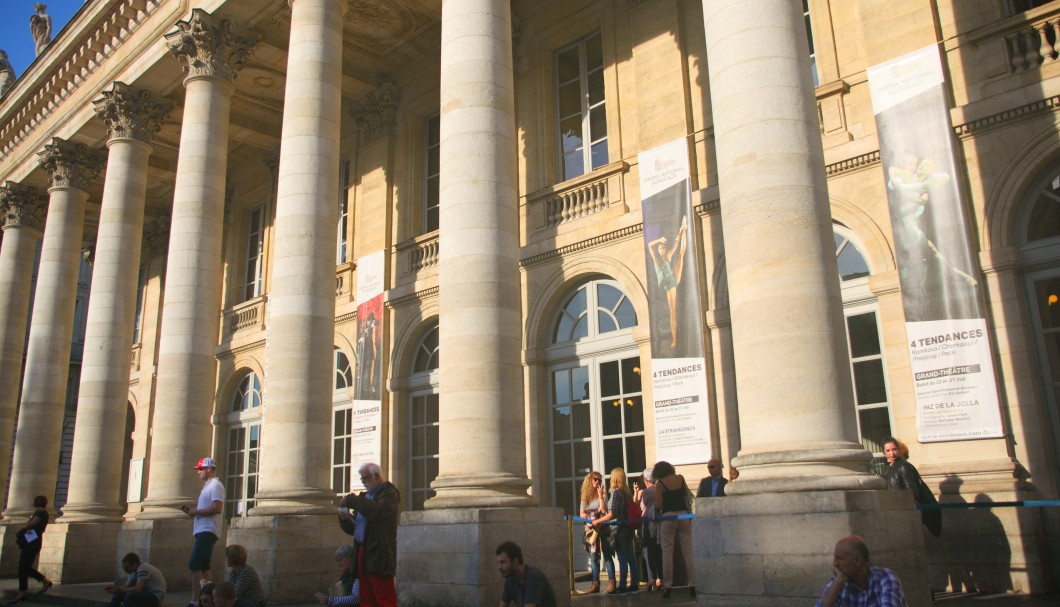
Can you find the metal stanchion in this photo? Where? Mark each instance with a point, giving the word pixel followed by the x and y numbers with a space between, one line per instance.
pixel 570 552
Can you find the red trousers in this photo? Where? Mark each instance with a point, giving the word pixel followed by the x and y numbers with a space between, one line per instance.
pixel 376 590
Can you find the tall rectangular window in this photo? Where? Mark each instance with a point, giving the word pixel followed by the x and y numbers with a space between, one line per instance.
pixel 809 40
pixel 141 293
pixel 241 473
pixel 255 252
pixel 431 173
pixel 342 450
pixel 424 447
pixel 869 374
pixel 344 212
pixel 581 107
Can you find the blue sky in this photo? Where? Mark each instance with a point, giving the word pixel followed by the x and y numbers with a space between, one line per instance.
pixel 14 27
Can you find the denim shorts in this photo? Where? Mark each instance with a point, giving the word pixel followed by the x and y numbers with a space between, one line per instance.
pixel 202 551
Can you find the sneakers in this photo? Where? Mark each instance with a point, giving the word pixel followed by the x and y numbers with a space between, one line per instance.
pixel 620 591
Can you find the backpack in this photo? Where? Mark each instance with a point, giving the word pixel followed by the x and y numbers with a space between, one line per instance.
pixel 633 512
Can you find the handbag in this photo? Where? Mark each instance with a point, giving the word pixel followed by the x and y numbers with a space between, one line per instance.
pixel 20 539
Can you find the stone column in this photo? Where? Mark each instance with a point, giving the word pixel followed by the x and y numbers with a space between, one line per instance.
pixel 481 436
pixel 296 464
pixel 22 209
pixel 36 461
pixel 212 53
pixel 797 424
pixel 132 117
pixel 801 465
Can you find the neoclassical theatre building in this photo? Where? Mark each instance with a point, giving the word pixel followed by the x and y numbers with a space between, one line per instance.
pixel 422 232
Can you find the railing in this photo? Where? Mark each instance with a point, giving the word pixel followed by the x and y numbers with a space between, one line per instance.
pixel 1033 45
pixel 578 198
pixel 247 315
pixel 418 254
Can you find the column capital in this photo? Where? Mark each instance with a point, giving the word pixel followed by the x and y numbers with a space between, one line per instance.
pixel 156 237
pixel 22 206
pixel 210 46
pixel 70 165
pixel 376 112
pixel 131 113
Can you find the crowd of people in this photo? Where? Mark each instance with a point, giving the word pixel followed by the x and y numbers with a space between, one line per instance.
pixel 653 512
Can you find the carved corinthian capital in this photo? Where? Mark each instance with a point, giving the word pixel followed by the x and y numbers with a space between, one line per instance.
pixel 209 46
pixel 376 112
pixel 71 165
pixel 131 113
pixel 23 206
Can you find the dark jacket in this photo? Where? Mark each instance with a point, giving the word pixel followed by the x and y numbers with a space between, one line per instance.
pixel 380 532
pixel 704 487
pixel 903 476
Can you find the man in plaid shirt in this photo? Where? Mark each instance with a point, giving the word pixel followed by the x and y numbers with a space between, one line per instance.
pixel 857 583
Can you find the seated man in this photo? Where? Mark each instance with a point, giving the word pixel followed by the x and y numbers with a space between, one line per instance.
pixel 346 591
pixel 145 586
pixel 856 582
pixel 524 585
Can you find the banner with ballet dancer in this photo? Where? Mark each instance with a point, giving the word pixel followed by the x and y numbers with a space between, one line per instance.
pixel 367 385
pixel 678 366
pixel 949 346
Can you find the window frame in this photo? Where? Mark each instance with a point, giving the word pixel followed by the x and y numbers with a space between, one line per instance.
pixel 431 197
pixel 586 107
pixel 254 278
pixel 342 251
pixel 422 383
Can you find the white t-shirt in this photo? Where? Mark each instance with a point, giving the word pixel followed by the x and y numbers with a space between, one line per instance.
pixel 212 491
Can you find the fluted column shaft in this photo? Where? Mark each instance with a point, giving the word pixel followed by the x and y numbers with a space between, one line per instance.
pixel 22 210
pixel 797 421
pixel 186 360
pixel 483 458
pixel 103 396
pixel 299 354
pixel 35 467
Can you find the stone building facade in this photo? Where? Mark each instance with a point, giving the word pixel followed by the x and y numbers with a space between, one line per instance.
pixel 233 164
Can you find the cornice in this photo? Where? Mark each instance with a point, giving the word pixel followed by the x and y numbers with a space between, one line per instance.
pixel 36 98
pixel 582 245
pixel 853 164
pixel 969 129
pixel 405 300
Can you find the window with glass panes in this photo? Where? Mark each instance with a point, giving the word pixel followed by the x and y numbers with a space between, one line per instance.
pixel 342 425
pixel 423 420
pixel 141 294
pixel 867 364
pixel 809 40
pixel 243 447
pixel 431 172
pixel 597 409
pixel 344 212
pixel 255 252
pixel 581 107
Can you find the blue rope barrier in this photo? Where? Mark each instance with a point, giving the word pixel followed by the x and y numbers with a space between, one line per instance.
pixel 982 505
pixel 674 517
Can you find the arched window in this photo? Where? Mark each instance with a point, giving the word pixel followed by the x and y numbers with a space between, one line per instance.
pixel 1039 239
pixel 342 424
pixel 423 419
pixel 596 405
pixel 243 446
pixel 868 369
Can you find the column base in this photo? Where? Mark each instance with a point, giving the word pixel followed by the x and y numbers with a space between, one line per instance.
pixel 817 467
pixel 446 557
pixel 81 552
pixel 298 549
pixel 775 549
pixel 9 552
pixel 480 491
pixel 166 544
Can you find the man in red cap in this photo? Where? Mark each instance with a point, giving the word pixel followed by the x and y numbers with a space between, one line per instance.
pixel 207 525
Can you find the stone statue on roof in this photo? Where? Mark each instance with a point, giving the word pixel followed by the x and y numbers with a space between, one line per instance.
pixel 40 25
pixel 7 74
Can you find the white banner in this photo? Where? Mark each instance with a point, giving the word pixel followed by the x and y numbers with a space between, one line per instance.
pixel 953 374
pixel 367 433
pixel 671 252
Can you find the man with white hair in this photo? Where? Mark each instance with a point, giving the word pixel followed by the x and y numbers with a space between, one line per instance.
pixel 376 514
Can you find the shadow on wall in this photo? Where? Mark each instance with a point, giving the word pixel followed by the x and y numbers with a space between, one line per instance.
pixel 973 554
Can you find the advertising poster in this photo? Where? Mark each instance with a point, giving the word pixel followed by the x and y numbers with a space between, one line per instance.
pixel 367 390
pixel 952 366
pixel 679 371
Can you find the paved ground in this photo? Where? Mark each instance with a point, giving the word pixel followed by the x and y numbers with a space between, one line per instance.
pixel 92 595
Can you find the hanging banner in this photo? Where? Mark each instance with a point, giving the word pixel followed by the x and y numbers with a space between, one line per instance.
pixel 679 370
pixel 367 392
pixel 953 371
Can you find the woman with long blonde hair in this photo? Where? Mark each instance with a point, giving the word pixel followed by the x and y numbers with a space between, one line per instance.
pixel 593 506
pixel 617 502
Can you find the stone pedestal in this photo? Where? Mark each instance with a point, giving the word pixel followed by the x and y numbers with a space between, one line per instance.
pixel 294 555
pixel 9 552
pixel 81 552
pixel 166 544
pixel 775 549
pixel 447 556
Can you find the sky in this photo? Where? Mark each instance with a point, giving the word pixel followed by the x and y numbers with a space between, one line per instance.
pixel 15 37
